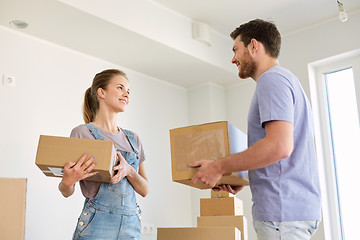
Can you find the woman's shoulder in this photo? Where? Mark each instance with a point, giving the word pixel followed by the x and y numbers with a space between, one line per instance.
pixel 80 131
pixel 79 128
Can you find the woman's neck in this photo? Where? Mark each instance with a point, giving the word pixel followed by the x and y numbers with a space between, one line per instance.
pixel 106 122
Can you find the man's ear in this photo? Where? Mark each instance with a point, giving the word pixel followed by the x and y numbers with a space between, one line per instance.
pixel 253 46
pixel 101 93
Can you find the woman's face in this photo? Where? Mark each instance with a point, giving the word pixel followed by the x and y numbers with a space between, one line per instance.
pixel 116 94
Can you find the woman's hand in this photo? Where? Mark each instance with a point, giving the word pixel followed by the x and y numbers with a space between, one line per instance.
pixel 123 169
pixel 137 179
pixel 76 171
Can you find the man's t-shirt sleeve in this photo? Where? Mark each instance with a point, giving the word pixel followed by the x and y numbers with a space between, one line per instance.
pixel 275 98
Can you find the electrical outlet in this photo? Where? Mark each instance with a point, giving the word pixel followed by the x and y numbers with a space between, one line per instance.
pixel 9 80
pixel 147 229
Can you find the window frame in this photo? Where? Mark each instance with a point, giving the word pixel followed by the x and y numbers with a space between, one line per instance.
pixel 323 140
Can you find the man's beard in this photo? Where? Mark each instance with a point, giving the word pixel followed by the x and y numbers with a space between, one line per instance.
pixel 247 67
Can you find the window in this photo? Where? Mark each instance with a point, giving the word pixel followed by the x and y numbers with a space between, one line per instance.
pixel 345 138
pixel 336 95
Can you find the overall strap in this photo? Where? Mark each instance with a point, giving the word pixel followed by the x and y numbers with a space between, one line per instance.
pixel 94 131
pixel 131 140
pixel 129 136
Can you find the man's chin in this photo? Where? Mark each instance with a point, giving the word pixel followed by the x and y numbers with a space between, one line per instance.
pixel 242 76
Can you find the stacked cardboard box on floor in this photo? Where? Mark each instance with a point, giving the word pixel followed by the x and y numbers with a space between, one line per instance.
pixel 223 210
pixel 221 216
pixel 204 233
pixel 13 204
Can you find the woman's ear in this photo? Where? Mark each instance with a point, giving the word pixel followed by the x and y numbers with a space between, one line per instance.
pixel 101 93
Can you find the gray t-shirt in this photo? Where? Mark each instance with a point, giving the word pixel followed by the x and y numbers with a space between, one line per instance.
pixel 288 190
pixel 88 188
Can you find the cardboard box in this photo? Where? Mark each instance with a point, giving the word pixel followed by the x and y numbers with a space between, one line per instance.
pixel 222 221
pixel 220 194
pixel 230 206
pixel 205 141
pixel 54 153
pixel 13 203
pixel 203 233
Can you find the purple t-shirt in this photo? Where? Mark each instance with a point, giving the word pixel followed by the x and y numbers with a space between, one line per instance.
pixel 88 188
pixel 289 189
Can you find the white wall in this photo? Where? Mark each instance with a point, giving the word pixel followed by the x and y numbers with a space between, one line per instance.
pixel 47 99
pixel 319 42
pixel 206 103
pixel 238 99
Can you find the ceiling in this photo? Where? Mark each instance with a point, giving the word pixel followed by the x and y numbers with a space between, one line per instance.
pixel 154 36
pixel 289 15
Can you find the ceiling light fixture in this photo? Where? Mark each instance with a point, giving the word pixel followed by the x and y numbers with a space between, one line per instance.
pixel 19 24
pixel 342 13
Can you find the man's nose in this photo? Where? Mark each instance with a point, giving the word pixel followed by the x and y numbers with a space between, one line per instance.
pixel 233 60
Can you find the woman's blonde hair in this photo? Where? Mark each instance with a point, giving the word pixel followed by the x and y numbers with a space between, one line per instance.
pixel 91 102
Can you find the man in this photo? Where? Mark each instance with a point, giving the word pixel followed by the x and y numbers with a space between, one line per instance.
pixel 281 157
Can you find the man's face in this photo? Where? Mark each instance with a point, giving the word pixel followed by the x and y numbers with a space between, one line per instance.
pixel 242 59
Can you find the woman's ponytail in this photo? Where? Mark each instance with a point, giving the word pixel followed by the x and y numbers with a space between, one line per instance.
pixel 90 106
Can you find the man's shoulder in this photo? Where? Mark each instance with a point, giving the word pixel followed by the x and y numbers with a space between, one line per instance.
pixel 280 74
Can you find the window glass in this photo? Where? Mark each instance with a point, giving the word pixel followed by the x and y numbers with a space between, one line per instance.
pixel 345 138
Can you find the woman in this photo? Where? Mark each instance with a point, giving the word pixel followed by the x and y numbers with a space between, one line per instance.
pixel 110 209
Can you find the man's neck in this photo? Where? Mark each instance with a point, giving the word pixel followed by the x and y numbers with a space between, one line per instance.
pixel 264 66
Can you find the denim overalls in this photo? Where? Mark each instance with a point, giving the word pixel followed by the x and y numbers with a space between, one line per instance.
pixel 113 213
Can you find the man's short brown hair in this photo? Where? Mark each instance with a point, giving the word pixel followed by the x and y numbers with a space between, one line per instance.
pixel 263 31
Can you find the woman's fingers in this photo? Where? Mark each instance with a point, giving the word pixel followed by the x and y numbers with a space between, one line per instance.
pixel 82 159
pixel 89 165
pixel 117 178
pixel 76 171
pixel 69 165
pixel 120 156
pixel 123 168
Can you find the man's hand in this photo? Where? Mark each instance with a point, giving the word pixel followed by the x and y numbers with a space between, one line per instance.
pixel 228 188
pixel 209 172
